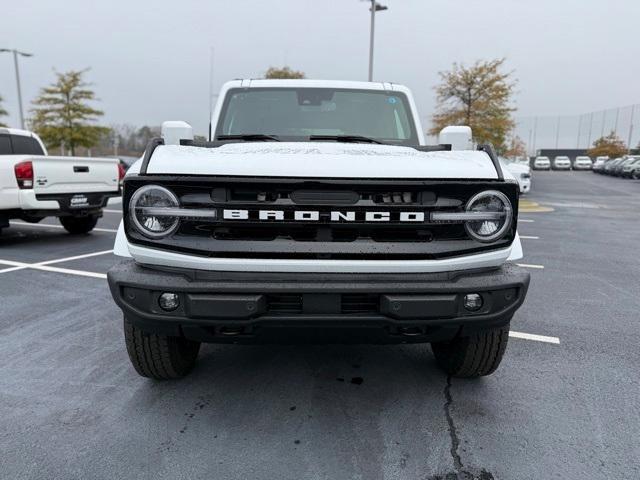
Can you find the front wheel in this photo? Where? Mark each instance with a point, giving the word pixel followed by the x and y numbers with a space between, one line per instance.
pixel 474 356
pixel 79 225
pixel 159 356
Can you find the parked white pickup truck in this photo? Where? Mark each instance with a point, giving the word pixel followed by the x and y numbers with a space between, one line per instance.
pixel 34 185
pixel 316 212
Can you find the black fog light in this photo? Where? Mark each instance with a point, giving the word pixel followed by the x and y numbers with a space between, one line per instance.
pixel 473 302
pixel 169 301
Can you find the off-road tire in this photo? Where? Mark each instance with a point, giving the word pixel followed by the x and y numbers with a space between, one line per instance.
pixel 79 225
pixel 474 356
pixel 159 356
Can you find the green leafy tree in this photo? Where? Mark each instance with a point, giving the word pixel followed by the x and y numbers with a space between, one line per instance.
pixel 3 112
pixel 284 72
pixel 479 96
pixel 62 114
pixel 611 146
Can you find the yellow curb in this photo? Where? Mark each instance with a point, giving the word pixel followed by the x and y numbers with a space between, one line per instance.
pixel 528 206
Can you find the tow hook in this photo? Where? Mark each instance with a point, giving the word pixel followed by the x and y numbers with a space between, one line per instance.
pixel 410 331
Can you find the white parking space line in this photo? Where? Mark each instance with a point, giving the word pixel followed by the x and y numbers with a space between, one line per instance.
pixel 76 257
pixel 529 237
pixel 47 268
pixel 525 220
pixel 11 269
pixel 43 265
pixel 81 273
pixel 535 338
pixel 112 211
pixel 529 265
pixel 44 225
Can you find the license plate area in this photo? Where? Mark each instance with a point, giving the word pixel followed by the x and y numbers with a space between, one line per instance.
pixel 79 201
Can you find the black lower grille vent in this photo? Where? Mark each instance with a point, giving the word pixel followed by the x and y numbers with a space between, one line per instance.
pixel 360 303
pixel 285 303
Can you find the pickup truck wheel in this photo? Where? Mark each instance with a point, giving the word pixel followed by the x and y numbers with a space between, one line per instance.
pixel 474 356
pixel 79 225
pixel 159 356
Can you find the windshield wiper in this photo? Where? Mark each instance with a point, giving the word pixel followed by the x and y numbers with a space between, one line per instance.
pixel 345 138
pixel 250 137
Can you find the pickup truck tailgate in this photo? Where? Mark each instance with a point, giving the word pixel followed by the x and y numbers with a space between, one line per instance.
pixel 60 175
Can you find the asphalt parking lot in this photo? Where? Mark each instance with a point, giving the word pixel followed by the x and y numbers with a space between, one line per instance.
pixel 562 405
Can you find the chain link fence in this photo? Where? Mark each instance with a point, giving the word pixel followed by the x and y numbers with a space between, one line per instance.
pixel 579 131
pixel 573 131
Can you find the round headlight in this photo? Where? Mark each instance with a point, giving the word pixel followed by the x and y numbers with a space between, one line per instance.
pixel 146 211
pixel 491 202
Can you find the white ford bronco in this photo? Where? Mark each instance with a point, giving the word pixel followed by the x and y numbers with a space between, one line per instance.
pixel 34 185
pixel 315 212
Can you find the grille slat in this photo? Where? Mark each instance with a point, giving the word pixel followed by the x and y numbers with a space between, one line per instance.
pixel 351 303
pixel 284 303
pixel 360 303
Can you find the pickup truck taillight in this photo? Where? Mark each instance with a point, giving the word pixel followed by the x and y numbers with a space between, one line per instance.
pixel 24 175
pixel 121 171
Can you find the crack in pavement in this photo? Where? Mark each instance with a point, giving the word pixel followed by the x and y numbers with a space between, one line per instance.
pixel 453 434
pixel 459 472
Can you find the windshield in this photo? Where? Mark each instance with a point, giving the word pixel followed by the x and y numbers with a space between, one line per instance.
pixel 295 114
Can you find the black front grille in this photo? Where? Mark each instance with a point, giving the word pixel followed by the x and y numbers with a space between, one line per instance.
pixel 322 237
pixel 350 303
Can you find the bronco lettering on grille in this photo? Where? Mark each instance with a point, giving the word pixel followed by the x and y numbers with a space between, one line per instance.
pixel 328 216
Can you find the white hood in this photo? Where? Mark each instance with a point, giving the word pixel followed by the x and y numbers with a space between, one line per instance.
pixel 319 159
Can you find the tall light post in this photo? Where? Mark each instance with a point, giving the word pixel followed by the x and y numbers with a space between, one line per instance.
pixel 15 62
pixel 375 7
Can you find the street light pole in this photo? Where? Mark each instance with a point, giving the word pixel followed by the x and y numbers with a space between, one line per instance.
pixel 15 63
pixel 375 7
pixel 633 111
pixel 371 37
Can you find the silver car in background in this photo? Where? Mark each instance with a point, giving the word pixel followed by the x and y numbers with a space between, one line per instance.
pixel 561 162
pixel 632 164
pixel 598 165
pixel 582 163
pixel 542 163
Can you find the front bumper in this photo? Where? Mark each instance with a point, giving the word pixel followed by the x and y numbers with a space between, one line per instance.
pixel 237 307
pixel 53 204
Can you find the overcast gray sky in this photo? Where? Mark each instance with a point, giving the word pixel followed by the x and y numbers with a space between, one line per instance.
pixel 150 59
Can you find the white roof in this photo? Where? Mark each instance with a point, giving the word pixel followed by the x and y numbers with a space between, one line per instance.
pixel 305 83
pixel 16 131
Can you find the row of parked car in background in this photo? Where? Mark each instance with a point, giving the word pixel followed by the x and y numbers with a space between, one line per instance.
pixel 626 167
pixel 562 162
